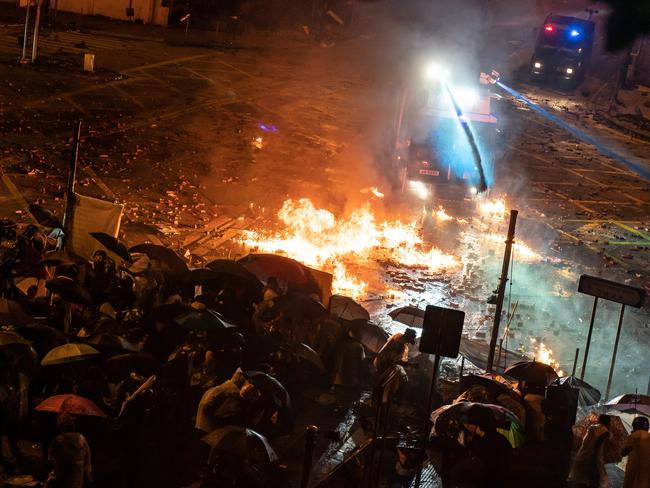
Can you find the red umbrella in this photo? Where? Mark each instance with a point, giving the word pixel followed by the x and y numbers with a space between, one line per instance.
pixel 265 266
pixel 71 404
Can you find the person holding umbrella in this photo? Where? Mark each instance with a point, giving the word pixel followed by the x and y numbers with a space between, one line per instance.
pixel 588 470
pixel 637 448
pixel 69 456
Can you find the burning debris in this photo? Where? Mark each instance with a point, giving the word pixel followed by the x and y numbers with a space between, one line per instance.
pixel 317 238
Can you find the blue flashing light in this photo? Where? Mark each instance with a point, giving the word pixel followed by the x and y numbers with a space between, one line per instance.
pixel 575 33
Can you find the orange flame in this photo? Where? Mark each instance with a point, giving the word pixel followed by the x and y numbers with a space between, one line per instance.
pixel 317 238
pixel 543 354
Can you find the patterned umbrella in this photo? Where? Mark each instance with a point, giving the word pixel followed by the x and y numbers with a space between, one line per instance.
pixel 632 403
pixel 71 404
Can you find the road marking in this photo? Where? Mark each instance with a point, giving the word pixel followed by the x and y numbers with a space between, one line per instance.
pixel 199 75
pixel 643 235
pixel 236 69
pixel 128 96
pixel 18 197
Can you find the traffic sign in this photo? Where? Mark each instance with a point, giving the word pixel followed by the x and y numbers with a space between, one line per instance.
pixel 610 290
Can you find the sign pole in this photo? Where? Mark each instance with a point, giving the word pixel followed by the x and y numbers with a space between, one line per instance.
pixel 618 336
pixel 425 435
pixel 591 329
pixel 502 289
pixel 575 361
pixel 72 174
pixel 26 34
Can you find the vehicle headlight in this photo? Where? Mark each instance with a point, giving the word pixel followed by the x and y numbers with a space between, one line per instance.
pixel 537 64
pixel 569 71
pixel 420 189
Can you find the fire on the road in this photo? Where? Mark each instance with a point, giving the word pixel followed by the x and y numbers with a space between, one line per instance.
pixel 317 238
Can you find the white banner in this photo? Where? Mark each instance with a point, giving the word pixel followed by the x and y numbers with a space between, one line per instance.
pixel 92 215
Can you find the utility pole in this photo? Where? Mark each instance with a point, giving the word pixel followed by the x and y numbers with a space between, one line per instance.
pixel 502 288
pixel 37 21
pixel 23 59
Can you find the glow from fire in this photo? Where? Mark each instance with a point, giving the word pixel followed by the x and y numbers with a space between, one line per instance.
pixel 493 209
pixel 373 190
pixel 522 252
pixel 543 354
pixel 441 214
pixel 317 238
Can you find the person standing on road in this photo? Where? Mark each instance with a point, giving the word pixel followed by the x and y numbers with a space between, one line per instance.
pixel 588 470
pixel 637 448
pixel 395 351
pixel 69 456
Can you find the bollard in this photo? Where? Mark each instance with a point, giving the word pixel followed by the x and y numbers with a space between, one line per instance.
pixel 310 440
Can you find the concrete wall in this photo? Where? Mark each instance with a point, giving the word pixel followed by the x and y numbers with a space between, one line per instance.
pixel 148 11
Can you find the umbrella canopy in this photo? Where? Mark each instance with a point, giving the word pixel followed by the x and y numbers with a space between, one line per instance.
pixel 113 245
pixel 587 394
pixel 43 337
pixel 199 276
pixel 44 216
pixel 268 385
pixel 298 306
pixel 9 338
pixel 110 343
pixel 18 351
pixel 243 442
pixel 265 266
pixel 11 313
pixel 532 372
pixel 631 402
pixel 71 404
pixel 231 267
pixel 53 258
pixel 370 335
pixel 204 320
pixel 69 353
pixel 411 316
pixel 346 308
pixel 477 351
pixel 119 367
pixel 495 384
pixel 168 258
pixel 69 291
pixel 304 352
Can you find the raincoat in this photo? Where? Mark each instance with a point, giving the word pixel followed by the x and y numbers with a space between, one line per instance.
pixel 637 470
pixel 589 465
pixel 394 351
pixel 220 403
pixel 69 455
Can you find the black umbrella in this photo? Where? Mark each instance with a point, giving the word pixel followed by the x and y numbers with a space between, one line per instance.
pixel 11 313
pixel 167 257
pixel 204 320
pixel 532 372
pixel 53 258
pixel 370 335
pixel 243 442
pixel 495 384
pixel 304 352
pixel 411 316
pixel 19 351
pixel 44 216
pixel 268 385
pixel 110 343
pixel 346 308
pixel 232 267
pixel 43 337
pixel 199 276
pixel 69 291
pixel 298 306
pixel 112 244
pixel 587 394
